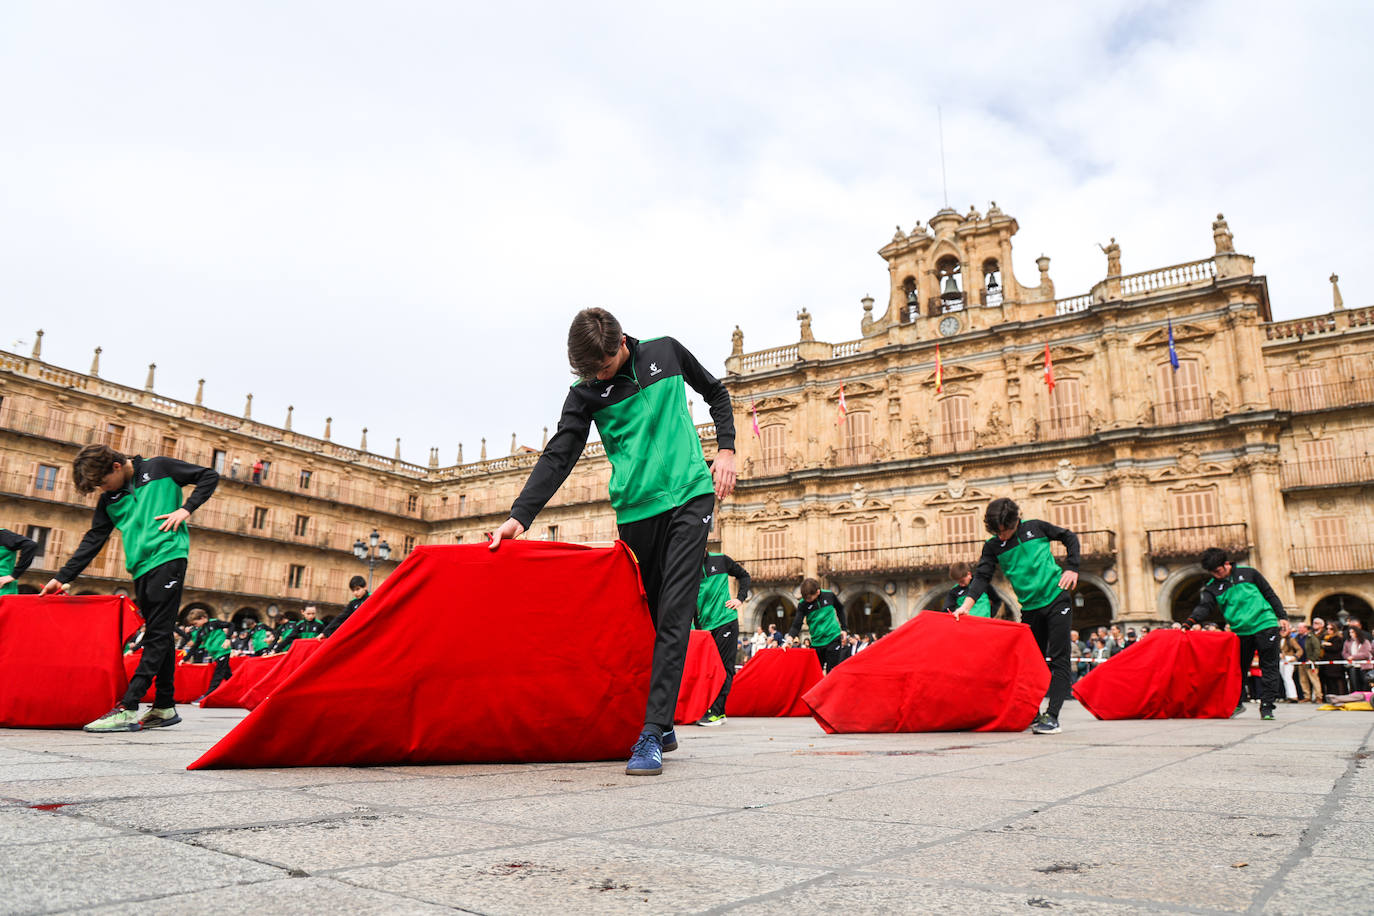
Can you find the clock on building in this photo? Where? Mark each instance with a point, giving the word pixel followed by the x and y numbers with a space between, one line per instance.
pixel 949 325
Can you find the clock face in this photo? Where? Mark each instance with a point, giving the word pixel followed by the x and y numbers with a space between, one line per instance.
pixel 949 325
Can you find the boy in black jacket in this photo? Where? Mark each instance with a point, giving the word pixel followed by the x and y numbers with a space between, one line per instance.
pixel 143 499
pixel 1022 550
pixel 662 489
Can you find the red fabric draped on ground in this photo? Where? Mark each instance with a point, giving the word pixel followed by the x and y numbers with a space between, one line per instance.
pixel 191 681
pixel 935 673
pixel 61 662
pixel 247 671
pixel 409 678
pixel 272 678
pixel 702 677
pixel 1170 674
pixel 773 682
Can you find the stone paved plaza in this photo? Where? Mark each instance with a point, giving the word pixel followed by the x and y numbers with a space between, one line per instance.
pixel 761 816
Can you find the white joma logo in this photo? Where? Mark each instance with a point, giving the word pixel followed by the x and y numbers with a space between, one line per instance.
pixel 145 478
pixel 607 392
pixel 653 369
pixel 170 584
pixel 707 519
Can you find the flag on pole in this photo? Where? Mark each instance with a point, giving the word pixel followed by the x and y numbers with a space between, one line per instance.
pixel 1173 354
pixel 939 371
pixel 754 410
pixel 842 407
pixel 1049 370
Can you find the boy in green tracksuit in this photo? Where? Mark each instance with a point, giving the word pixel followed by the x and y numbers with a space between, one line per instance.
pixel 719 613
pixel 662 490
pixel 1252 609
pixel 989 604
pixel 1022 550
pixel 143 499
pixel 262 639
pixel 209 642
pixel 16 554
pixel 824 618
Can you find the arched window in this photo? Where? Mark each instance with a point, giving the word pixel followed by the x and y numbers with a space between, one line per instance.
pixel 913 300
pixel 992 282
pixel 951 297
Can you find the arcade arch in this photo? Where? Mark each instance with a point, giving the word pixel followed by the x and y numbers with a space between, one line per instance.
pixel 250 615
pixel 866 610
pixel 1341 606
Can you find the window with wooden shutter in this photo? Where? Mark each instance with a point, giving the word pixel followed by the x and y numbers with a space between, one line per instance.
pixel 860 536
pixel 1195 511
pixel 1308 390
pixel 956 425
pixel 959 528
pixel 772 441
pixel 773 544
pixel 1331 540
pixel 1181 398
pixel 1066 417
pixel 858 438
pixel 1074 514
pixel 1318 461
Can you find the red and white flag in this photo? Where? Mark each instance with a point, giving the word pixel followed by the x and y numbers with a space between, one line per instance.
pixel 843 409
pixel 1049 370
pixel 754 409
pixel 939 371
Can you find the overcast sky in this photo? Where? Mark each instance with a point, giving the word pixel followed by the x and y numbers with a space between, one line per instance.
pixel 388 212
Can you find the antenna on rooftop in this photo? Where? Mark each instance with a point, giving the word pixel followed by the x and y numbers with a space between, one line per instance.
pixel 944 180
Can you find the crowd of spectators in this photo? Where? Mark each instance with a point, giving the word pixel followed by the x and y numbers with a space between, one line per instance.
pixel 851 644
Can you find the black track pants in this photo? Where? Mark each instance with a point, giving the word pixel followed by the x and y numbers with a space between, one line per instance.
pixel 158 593
pixel 1266 642
pixel 727 643
pixel 670 547
pixel 1050 625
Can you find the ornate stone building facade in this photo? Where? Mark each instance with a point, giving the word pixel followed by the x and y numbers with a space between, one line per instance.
pixel 1259 440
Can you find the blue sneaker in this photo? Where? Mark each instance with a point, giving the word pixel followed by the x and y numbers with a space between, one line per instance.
pixel 670 740
pixel 646 759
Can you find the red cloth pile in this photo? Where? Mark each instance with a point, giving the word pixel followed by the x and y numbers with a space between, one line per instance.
pixel 702 677
pixel 1170 674
pixel 191 681
pixel 936 673
pixel 61 663
pixel 408 679
pixel 773 682
pixel 247 671
pixel 294 657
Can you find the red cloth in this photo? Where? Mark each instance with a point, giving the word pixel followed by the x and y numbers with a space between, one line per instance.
pixel 1170 674
pixel 60 658
pixel 936 673
pixel 773 682
pixel 190 681
pixel 702 677
pixel 409 679
pixel 247 671
pixel 272 678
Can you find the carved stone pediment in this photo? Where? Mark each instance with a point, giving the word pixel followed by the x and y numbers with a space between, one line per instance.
pixel 1200 469
pixel 849 507
pixel 1055 487
pixel 855 390
pixel 953 374
pixel 1064 353
pixel 1159 337
pixel 945 499
pixel 773 402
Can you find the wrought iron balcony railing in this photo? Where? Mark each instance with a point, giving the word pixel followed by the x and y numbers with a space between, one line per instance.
pixel 1168 543
pixel 1098 544
pixel 906 559
pixel 1354 392
pixel 1341 558
pixel 772 570
pixel 1327 472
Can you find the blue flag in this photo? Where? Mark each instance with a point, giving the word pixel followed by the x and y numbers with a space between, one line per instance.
pixel 1173 354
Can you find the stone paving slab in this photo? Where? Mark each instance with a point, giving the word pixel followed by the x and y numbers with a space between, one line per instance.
pixel 759 816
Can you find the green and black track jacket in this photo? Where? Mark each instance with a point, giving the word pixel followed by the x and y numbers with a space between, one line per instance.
pixel 153 490
pixel 16 555
pixel 650 439
pixel 824 617
pixel 715 591
pixel 209 641
pixel 988 604
pixel 1246 600
pixel 1027 563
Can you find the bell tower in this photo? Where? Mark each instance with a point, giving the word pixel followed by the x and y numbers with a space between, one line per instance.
pixel 952 276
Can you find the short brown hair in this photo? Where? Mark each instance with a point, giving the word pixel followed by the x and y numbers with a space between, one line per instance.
pixel 593 338
pixel 959 570
pixel 196 613
pixel 810 587
pixel 91 464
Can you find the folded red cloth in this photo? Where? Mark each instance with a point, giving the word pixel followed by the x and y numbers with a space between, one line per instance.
pixel 773 682
pixel 702 677
pixel 61 658
pixel 247 671
pixel 1169 674
pixel 408 679
pixel 936 673
pixel 294 657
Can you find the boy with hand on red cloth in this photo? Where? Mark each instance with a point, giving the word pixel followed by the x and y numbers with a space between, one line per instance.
pixel 143 499
pixel 661 488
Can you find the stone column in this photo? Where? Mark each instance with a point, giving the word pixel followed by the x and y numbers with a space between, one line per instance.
pixel 1111 344
pixel 1242 325
pixel 1268 523
pixel 1135 583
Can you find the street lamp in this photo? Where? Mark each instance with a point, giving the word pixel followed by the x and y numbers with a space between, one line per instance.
pixel 371 553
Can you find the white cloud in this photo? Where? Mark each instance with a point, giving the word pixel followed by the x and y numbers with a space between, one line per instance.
pixel 388 215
